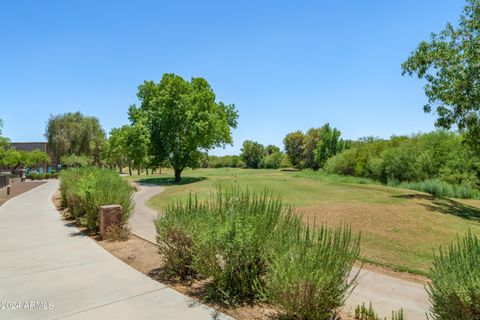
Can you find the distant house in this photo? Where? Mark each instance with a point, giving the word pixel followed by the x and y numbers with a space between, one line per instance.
pixel 29 146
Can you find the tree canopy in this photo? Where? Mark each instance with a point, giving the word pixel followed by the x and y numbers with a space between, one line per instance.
pixel 450 64
pixel 294 146
pixel 182 119
pixel 252 153
pixel 74 133
pixel 313 149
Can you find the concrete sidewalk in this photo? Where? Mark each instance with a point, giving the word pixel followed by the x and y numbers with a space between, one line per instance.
pixel 141 221
pixel 48 270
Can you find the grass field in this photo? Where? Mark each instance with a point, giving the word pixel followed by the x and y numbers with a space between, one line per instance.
pixel 400 228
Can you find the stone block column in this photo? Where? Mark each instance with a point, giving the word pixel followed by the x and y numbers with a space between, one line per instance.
pixel 109 215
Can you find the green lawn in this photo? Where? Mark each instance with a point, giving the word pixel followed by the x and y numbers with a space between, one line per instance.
pixel 400 228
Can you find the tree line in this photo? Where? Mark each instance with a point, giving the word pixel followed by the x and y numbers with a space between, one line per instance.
pixel 439 155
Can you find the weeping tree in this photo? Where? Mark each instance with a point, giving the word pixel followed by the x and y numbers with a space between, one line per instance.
pixel 74 134
pixel 183 119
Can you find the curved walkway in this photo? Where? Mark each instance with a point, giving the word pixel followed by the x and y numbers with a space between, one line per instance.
pixel 385 292
pixel 141 221
pixel 48 270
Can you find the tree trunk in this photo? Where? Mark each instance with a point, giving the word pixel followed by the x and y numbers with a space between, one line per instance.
pixel 120 169
pixel 129 169
pixel 178 173
pixel 138 170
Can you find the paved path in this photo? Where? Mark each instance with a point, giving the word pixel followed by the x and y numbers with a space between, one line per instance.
pixel 142 218
pixel 388 293
pixel 66 275
pixel 385 292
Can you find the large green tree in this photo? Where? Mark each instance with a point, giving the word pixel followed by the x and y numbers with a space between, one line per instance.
pixel 311 139
pixel 137 145
pixel 115 153
pixel 294 146
pixel 252 153
pixel 328 145
pixel 450 64
pixel 183 118
pixel 37 157
pixel 74 133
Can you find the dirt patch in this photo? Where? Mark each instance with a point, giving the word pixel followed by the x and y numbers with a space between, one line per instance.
pixel 144 257
pixel 17 188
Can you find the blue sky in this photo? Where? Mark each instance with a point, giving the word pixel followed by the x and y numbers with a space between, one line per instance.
pixel 286 65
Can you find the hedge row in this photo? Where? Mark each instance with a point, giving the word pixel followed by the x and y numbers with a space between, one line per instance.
pixel 84 190
pixel 42 176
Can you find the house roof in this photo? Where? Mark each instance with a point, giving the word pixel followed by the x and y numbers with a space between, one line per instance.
pixel 29 146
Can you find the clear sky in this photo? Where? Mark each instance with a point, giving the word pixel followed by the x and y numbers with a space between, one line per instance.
pixel 286 65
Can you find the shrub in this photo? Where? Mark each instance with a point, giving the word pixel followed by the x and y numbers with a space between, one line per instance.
pixel 69 190
pixel 272 161
pixel 251 246
pixel 175 233
pixel 117 232
pixel 440 189
pixel 309 275
pixel 455 288
pixel 47 175
pixel 364 313
pixel 84 190
pixel 225 238
pixel 439 155
pixel 285 163
pixel 236 249
pixel 32 176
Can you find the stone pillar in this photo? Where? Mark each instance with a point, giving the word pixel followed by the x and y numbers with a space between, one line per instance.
pixel 109 215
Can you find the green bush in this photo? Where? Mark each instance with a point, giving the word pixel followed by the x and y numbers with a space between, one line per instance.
pixel 227 240
pixel 84 190
pixel 455 287
pixel 70 197
pixel 272 161
pixel 39 176
pixel 364 313
pixel 309 274
pixel 251 246
pixel 32 176
pixel 236 249
pixel 440 189
pixel 176 230
pixel 439 155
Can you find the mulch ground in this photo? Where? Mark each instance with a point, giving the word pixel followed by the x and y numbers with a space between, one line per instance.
pixel 17 188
